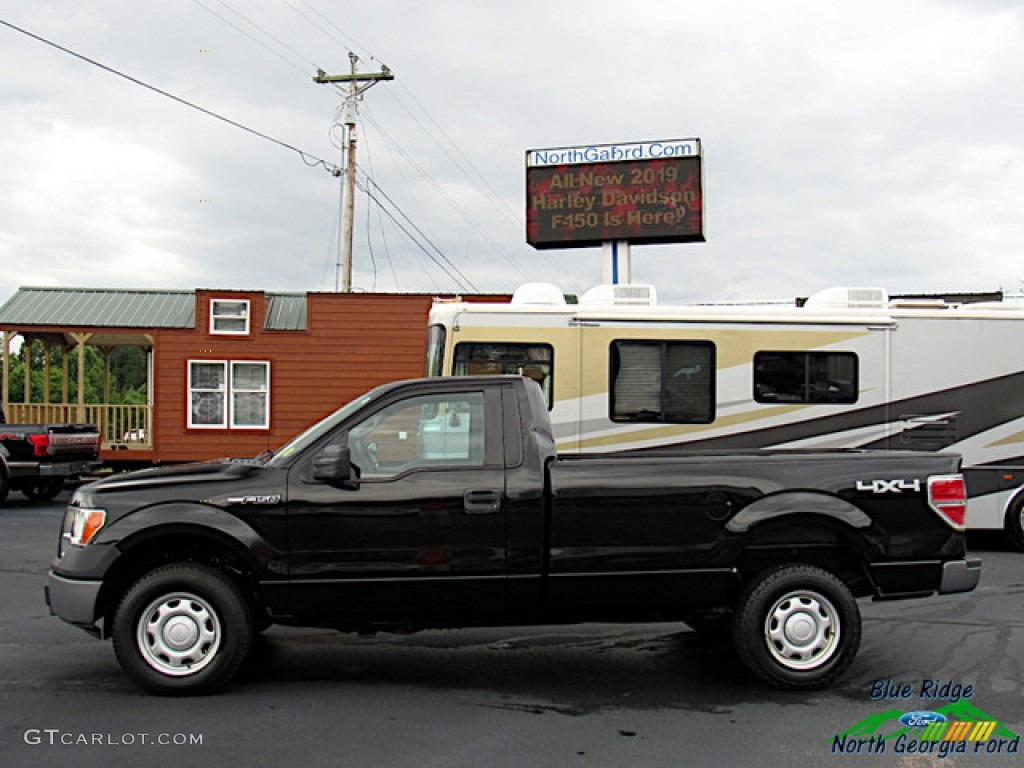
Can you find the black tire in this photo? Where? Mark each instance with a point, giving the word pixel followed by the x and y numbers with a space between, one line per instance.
pixel 5 485
pixel 43 490
pixel 1015 523
pixel 797 627
pixel 182 629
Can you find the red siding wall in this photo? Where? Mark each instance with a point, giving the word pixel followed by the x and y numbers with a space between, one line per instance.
pixel 353 342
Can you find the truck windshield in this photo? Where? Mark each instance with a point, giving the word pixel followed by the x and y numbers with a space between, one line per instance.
pixel 289 450
pixel 435 350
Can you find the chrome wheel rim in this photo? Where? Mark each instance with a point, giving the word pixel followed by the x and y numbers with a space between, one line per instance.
pixel 802 630
pixel 178 634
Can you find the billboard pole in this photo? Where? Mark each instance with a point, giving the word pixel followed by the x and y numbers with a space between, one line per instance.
pixel 618 267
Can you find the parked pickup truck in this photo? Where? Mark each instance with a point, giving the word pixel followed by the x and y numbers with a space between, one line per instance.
pixel 441 503
pixel 36 459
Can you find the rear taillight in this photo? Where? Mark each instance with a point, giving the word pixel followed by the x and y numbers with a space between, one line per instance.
pixel 40 444
pixel 947 495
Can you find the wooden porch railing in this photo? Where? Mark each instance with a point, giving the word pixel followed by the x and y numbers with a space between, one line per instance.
pixel 127 426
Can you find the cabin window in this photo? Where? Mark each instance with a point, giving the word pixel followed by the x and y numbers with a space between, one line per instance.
pixel 250 395
pixel 535 361
pixel 229 394
pixel 663 382
pixel 229 316
pixel 422 432
pixel 805 377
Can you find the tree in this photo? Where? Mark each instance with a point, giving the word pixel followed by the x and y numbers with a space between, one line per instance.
pixel 128 374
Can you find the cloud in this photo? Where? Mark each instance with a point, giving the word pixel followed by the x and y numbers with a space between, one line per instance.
pixel 845 143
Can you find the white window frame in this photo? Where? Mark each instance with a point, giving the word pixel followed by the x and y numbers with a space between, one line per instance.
pixel 215 316
pixel 234 390
pixel 191 390
pixel 228 392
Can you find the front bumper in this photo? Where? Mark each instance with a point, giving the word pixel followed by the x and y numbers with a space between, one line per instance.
pixel 73 601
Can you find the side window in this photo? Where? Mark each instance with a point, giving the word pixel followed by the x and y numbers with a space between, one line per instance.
pixel 207 393
pixel 229 316
pixel 535 361
pixel 805 377
pixel 445 430
pixel 663 381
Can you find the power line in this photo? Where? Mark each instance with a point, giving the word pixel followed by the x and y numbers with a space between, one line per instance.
pixel 418 230
pixel 308 158
pixel 441 191
pixel 352 42
pixel 255 39
pixel 451 270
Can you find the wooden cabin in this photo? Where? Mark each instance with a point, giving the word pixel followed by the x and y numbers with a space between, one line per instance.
pixel 230 373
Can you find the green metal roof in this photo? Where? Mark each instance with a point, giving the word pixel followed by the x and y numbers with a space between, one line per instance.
pixel 120 308
pixel 286 312
pixel 100 307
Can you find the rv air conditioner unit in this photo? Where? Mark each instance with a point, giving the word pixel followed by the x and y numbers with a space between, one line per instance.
pixel 849 298
pixel 633 295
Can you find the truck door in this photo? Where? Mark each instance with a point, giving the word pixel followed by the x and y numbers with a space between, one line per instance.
pixel 422 528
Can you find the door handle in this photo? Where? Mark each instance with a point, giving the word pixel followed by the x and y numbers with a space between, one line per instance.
pixel 481 502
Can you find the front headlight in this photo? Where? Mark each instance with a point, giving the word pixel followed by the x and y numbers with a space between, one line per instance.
pixel 82 524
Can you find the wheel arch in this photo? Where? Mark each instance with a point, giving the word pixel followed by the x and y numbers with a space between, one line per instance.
pixel 221 541
pixel 803 527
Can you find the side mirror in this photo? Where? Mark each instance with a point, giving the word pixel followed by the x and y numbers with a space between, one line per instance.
pixel 333 465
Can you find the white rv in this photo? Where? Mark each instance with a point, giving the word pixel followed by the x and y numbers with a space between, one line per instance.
pixel 848 369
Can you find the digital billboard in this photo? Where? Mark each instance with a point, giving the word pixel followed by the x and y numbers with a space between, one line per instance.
pixel 647 192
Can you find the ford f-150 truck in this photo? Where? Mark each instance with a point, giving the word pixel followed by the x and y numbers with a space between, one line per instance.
pixel 36 459
pixel 440 503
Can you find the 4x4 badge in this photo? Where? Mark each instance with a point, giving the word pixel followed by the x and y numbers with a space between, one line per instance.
pixel 888 486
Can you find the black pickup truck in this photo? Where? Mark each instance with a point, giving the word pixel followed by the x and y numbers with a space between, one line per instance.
pixel 37 459
pixel 441 503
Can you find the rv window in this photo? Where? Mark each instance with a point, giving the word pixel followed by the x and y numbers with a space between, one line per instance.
pixel 535 361
pixel 805 377
pixel 663 381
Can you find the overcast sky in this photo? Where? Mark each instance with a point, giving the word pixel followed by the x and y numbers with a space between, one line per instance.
pixel 858 142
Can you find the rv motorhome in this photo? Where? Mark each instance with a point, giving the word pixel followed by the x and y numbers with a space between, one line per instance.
pixel 850 368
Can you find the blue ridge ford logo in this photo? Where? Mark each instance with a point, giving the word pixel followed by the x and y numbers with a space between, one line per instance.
pixel 922 719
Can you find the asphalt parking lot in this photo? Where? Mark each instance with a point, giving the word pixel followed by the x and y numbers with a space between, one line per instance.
pixel 591 695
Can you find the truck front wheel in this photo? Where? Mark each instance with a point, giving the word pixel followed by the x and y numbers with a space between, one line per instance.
pixel 797 627
pixel 184 628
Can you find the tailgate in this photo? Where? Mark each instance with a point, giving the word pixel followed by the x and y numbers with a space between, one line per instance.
pixel 73 440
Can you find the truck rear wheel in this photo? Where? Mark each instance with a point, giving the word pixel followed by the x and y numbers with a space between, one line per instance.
pixel 1015 523
pixel 182 629
pixel 797 627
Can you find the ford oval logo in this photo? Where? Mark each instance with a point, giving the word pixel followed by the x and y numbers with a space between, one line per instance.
pixel 922 719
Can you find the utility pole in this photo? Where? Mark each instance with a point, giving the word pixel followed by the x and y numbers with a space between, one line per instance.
pixel 357 85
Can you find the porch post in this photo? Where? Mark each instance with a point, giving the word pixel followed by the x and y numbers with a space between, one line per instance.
pixel 65 393
pixel 47 351
pixel 26 349
pixel 5 384
pixel 81 338
pixel 106 374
